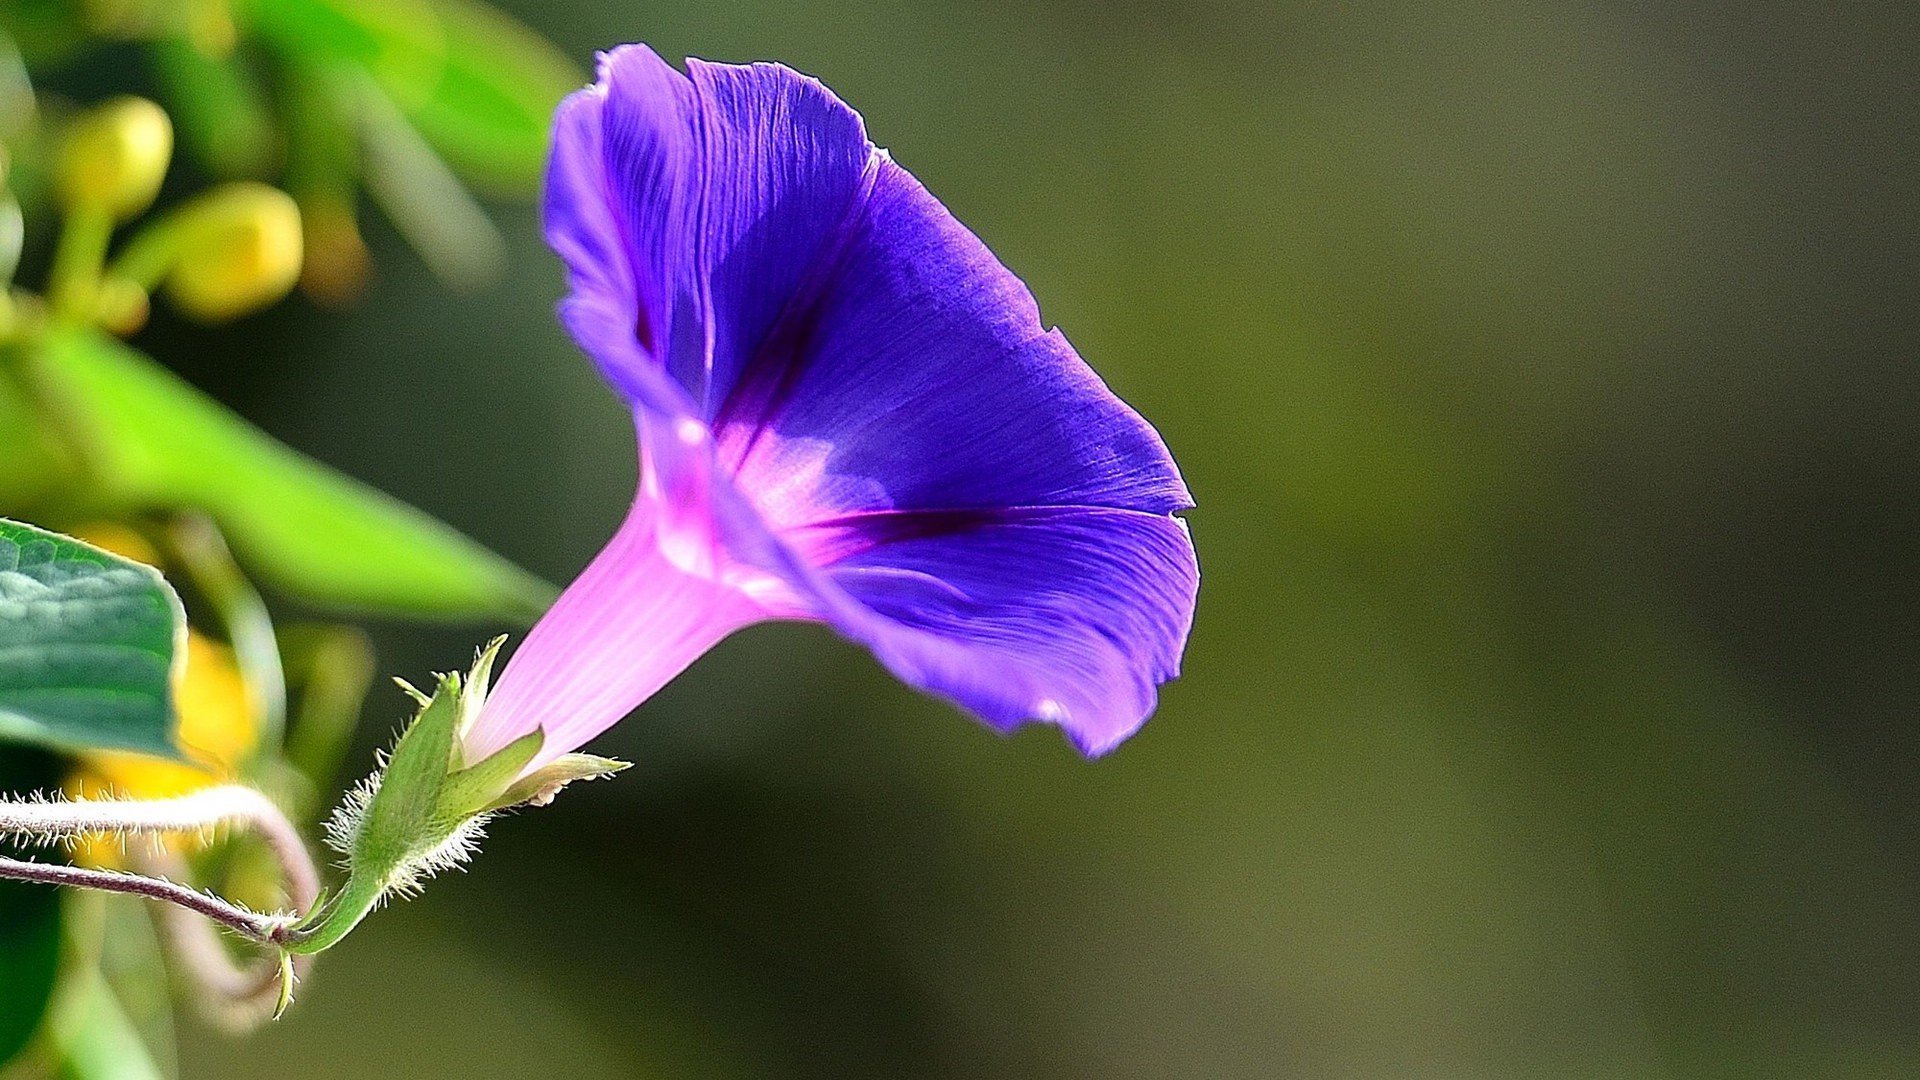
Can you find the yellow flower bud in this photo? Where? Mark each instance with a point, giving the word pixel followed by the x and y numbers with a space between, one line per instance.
pixel 240 250
pixel 114 158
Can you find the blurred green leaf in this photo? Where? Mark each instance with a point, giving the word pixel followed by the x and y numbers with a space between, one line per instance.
pixel 308 531
pixel 218 109
pixel 87 645
pixel 29 465
pixel 133 965
pixel 479 86
pixel 43 30
pixel 29 960
pixel 95 1040
pixel 491 108
pixel 29 924
pixel 424 199
pixel 400 41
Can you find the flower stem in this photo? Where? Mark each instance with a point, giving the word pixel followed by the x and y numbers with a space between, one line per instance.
pixel 264 929
pixel 209 808
pixel 237 997
pixel 338 918
pixel 74 280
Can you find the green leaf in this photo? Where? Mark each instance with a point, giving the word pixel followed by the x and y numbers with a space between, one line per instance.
pixel 400 41
pixel 478 85
pixel 304 529
pixel 29 923
pixel 423 198
pixel 89 644
pixel 29 961
pixel 492 107
pixel 96 1040
pixel 30 465
pixel 45 31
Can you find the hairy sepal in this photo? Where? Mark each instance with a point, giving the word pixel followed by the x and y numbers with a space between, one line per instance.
pixel 388 827
pixel 425 810
pixel 539 787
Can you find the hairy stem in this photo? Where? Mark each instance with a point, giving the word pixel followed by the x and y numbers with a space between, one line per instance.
pixel 201 811
pixel 236 996
pixel 265 929
pixel 354 903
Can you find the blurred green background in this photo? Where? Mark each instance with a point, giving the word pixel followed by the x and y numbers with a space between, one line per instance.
pixel 1545 375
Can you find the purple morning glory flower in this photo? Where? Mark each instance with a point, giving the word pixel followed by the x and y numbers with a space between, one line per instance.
pixel 848 412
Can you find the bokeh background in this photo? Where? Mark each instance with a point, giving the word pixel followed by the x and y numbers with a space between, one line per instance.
pixel 1545 372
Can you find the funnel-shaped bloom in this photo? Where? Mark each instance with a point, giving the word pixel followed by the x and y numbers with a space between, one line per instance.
pixel 849 412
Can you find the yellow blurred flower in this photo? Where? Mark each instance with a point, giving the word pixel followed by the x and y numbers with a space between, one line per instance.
pixel 217 728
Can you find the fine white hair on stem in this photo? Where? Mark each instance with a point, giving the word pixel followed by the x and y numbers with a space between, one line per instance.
pixel 264 929
pixel 239 995
pixel 61 820
pixel 65 821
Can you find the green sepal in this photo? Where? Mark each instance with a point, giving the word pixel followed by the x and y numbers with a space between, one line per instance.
pixel 473 695
pixel 398 824
pixel 538 787
pixel 477 789
pixel 424 812
pixel 288 978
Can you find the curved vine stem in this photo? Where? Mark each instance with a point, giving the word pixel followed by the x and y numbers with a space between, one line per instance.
pixel 243 995
pixel 237 996
pixel 63 820
pixel 263 929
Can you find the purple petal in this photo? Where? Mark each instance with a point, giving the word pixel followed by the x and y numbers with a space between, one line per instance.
pixel 622 270
pixel 926 370
pixel 721 189
pixel 1072 617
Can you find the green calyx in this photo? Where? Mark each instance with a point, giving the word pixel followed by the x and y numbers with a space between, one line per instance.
pixel 425 811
